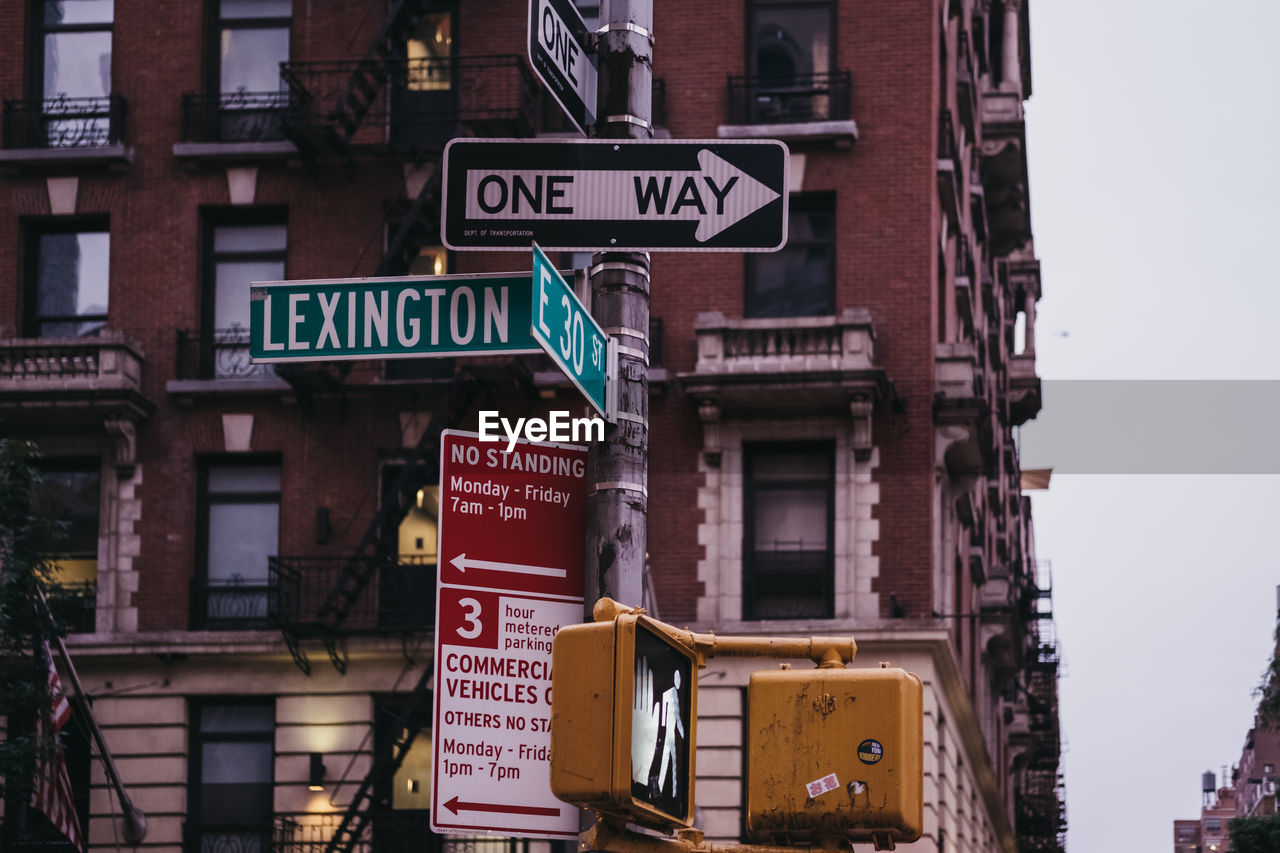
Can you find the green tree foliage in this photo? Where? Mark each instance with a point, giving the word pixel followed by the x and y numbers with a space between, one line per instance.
pixel 25 543
pixel 1268 692
pixel 1255 834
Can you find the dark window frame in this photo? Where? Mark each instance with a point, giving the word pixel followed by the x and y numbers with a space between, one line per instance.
pixel 821 202
pixel 197 738
pixel 74 605
pixel 199 617
pixel 33 230
pixel 37 29
pixel 751 569
pixel 214 26
pixel 211 219
pixel 755 6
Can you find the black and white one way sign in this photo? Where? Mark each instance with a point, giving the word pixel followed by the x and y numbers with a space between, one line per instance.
pixel 598 194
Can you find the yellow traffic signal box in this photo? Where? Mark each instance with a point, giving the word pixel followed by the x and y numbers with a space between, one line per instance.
pixel 835 753
pixel 623 714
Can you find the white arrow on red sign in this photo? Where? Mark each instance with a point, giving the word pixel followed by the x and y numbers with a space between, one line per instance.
pixel 461 563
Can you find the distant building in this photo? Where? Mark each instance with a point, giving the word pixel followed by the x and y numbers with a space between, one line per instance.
pixel 1186 836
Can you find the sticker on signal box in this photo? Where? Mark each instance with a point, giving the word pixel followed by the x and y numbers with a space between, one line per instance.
pixel 819 787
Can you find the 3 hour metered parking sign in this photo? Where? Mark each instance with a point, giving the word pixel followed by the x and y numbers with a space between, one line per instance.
pixel 626 195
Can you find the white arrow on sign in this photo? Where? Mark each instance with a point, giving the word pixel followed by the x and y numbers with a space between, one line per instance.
pixel 716 195
pixel 461 563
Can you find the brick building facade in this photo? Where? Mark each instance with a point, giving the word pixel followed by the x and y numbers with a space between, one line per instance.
pixel 831 426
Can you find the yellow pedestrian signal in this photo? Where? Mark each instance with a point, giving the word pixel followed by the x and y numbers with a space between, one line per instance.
pixel 835 753
pixel 623 713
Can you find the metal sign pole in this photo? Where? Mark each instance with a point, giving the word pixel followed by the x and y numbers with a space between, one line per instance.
pixel 618 502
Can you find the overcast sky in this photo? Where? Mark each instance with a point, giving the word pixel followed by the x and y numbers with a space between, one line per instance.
pixel 1155 187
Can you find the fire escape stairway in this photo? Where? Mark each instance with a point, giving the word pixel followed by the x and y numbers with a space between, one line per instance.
pixel 374 549
pixel 358 814
pixel 421 223
pixel 333 136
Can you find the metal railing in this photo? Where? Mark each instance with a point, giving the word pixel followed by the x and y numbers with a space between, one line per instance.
pixel 217 354
pixel 75 606
pixel 488 93
pixel 234 117
pixel 794 98
pixel 400 596
pixel 230 604
pixel 64 122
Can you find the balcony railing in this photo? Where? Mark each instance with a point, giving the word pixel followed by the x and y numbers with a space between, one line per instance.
pixel 784 344
pixel 218 354
pixel 230 604
pixel 75 606
pixel 235 117
pixel 64 122
pixel 795 98
pixel 422 99
pixel 400 596
pixel 107 361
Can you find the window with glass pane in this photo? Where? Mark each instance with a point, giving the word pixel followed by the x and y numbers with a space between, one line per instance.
pixel 67 281
pixel 239 254
pixel 240 524
pixel 74 69
pixel 799 279
pixel 69 493
pixel 789 511
pixel 253 39
pixel 791 55
pixel 232 755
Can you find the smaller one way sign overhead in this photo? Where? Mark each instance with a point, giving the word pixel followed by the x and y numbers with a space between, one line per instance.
pixel 674 195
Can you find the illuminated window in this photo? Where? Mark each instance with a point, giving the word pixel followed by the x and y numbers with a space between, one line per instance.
pixel 70 494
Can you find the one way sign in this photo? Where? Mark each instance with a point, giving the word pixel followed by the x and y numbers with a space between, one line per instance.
pixel 598 194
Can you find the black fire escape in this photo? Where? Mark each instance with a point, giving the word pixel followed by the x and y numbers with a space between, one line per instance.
pixel 344 114
pixel 1041 802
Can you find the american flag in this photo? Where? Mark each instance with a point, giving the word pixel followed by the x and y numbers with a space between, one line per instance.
pixel 53 794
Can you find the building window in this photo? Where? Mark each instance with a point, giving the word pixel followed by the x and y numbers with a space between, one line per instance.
pixel 252 39
pixel 789 522
pixel 423 86
pixel 799 279
pixel 70 494
pixel 238 253
pixel 67 279
pixel 232 753
pixel 791 57
pixel 239 532
pixel 1212 824
pixel 72 70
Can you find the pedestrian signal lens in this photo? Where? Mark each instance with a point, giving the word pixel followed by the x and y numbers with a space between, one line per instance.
pixel 623 704
pixel 660 724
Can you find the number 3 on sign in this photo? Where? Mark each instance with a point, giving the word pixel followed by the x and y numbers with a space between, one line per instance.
pixel 471 617
pixel 573 341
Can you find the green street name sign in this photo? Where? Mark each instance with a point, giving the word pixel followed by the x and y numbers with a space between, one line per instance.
pixel 403 317
pixel 569 334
